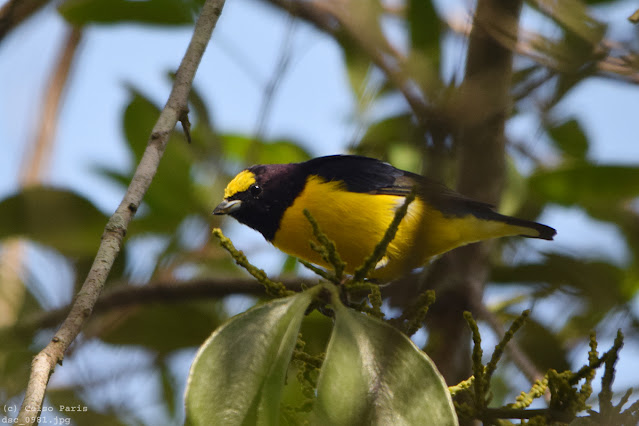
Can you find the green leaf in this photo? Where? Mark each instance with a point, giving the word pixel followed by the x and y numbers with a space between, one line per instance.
pixel 137 326
pixel 16 353
pixel 573 17
pixel 570 137
pixel 54 217
pixel 238 374
pixel 373 374
pixel 139 118
pixel 587 184
pixel 162 12
pixel 425 29
pixel 425 25
pixel 237 147
pixel 384 134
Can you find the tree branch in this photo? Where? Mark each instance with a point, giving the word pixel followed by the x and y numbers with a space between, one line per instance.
pixel 44 363
pixel 623 66
pixel 165 292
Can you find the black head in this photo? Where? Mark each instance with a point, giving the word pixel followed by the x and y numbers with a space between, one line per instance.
pixel 259 195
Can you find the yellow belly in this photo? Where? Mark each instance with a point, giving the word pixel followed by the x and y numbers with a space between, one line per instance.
pixel 356 222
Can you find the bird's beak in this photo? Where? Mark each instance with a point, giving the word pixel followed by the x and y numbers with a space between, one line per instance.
pixel 227 207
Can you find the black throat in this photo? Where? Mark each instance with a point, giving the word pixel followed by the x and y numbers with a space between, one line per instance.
pixel 281 184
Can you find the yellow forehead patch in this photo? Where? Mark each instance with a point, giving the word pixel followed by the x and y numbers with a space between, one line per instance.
pixel 240 183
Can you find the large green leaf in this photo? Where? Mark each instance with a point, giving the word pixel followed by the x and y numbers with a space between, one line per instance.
pixel 373 374
pixel 162 12
pixel 54 217
pixel 238 374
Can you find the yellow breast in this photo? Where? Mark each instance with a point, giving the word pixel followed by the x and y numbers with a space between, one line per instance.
pixel 356 222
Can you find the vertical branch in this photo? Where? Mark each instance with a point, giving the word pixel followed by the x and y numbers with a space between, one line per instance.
pixel 115 230
pixel 485 105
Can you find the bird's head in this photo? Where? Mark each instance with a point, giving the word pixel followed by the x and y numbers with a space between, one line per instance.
pixel 259 195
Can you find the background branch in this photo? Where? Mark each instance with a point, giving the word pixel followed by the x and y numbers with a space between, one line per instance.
pixel 165 292
pixel 115 230
pixel 622 66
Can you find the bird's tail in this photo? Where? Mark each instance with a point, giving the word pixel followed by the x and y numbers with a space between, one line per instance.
pixel 524 228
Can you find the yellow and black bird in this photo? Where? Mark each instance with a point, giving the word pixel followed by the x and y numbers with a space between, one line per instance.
pixel 354 199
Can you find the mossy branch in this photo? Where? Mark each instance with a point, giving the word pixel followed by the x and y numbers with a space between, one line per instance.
pixel 501 346
pixel 326 248
pixel 375 298
pixel 537 390
pixel 566 401
pixel 308 367
pixel 273 288
pixel 610 359
pixel 461 386
pixel 319 271
pixel 412 318
pixel 478 367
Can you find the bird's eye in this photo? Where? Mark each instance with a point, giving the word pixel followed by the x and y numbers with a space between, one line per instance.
pixel 255 190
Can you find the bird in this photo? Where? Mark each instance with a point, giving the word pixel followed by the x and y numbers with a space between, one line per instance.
pixel 353 199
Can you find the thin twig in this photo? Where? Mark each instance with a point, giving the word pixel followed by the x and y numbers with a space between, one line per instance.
pixel 44 363
pixel 518 356
pixel 527 43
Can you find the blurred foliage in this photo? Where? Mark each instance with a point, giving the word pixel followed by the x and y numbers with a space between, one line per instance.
pixel 554 167
pixel 156 12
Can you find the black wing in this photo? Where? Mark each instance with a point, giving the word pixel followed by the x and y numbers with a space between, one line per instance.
pixel 359 174
pixel 368 175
